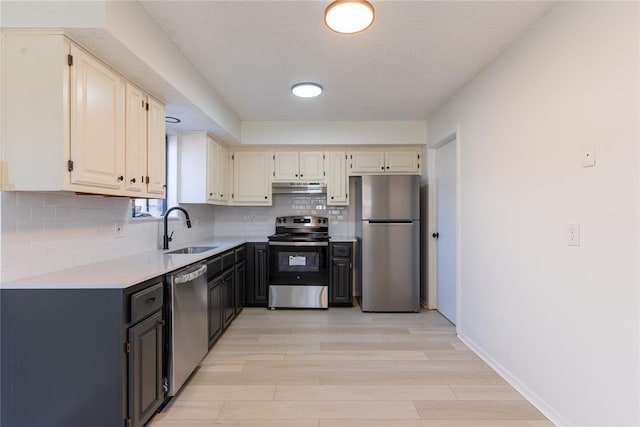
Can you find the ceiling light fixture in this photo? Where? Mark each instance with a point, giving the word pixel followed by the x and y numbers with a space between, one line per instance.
pixel 169 119
pixel 349 16
pixel 306 89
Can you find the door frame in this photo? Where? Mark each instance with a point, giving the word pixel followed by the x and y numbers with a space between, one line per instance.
pixel 432 221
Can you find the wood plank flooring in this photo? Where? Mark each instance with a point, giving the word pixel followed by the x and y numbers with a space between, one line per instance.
pixel 345 368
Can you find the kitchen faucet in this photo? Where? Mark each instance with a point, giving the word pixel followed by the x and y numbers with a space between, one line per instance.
pixel 166 238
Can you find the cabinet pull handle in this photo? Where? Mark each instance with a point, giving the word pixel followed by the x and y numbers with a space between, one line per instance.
pixel 150 300
pixel 121 178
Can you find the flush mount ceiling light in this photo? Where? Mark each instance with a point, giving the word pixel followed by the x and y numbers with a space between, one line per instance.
pixel 306 89
pixel 349 16
pixel 170 119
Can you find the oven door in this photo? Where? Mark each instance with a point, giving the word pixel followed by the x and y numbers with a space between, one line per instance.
pixel 298 263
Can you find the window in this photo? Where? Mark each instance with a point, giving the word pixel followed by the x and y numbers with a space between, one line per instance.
pixel 155 208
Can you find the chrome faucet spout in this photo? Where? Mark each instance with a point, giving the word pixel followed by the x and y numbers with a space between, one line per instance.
pixel 166 238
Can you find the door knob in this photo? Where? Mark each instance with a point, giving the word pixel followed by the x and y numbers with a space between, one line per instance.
pixel 436 235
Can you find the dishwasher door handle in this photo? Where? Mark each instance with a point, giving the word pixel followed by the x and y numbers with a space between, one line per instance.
pixel 188 277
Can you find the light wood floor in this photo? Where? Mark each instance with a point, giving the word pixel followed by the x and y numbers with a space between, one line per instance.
pixel 345 368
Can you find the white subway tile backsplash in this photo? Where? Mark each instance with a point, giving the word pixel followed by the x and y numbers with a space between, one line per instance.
pixel 42 232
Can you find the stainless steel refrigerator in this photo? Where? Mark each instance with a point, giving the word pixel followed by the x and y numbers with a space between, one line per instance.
pixel 388 226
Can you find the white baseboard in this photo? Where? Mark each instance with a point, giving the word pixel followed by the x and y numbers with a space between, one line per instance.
pixel 532 397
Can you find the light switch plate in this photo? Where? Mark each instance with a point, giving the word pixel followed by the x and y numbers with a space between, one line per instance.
pixel 588 156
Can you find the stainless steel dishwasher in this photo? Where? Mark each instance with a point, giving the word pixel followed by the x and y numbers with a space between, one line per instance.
pixel 188 317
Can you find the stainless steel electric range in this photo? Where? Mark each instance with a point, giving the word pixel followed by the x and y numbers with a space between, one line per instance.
pixel 298 262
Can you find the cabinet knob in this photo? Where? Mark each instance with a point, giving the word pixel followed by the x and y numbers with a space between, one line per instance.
pixel 121 178
pixel 331 197
pixel 132 180
pixel 387 167
pixel 210 194
pixel 222 195
pixel 382 168
pixel 265 197
pixel 296 175
pixel 301 175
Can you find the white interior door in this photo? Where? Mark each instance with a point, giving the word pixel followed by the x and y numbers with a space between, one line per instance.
pixel 446 229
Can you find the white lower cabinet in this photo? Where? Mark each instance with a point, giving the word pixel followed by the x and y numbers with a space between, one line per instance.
pixel 252 173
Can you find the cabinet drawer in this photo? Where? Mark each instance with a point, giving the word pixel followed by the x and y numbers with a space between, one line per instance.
pixel 214 267
pixel 341 250
pixel 228 259
pixel 146 302
pixel 240 254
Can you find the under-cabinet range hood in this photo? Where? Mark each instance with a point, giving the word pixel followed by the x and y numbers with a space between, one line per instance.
pixel 299 188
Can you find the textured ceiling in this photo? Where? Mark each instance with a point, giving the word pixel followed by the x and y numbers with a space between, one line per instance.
pixel 415 56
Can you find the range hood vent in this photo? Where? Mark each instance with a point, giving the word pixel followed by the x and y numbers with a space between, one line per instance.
pixel 299 188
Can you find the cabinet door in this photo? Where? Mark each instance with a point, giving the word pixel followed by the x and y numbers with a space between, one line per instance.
pixel 222 161
pixel 340 288
pixel 212 173
pixel 228 297
pixel 256 290
pixel 312 166
pixel 135 139
pixel 366 162
pixel 156 149
pixel 252 177
pixel 146 393
pixel 241 269
pixel 97 123
pixel 215 309
pixel 286 166
pixel 402 161
pixel 337 179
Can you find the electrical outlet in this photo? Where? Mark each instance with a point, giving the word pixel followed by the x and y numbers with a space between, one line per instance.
pixel 573 234
pixel 118 230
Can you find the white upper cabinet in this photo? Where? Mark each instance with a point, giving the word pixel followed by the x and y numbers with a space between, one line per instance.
pixel 97 123
pixel 203 170
pixel 145 144
pixel 295 166
pixel 156 149
pixel 366 162
pixel 68 118
pixel 135 139
pixel 252 172
pixel 388 160
pixel 337 178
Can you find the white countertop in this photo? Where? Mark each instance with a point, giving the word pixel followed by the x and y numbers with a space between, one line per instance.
pixel 127 271
pixel 343 239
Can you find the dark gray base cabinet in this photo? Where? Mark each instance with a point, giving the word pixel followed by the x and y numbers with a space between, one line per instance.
pixel 80 357
pixel 146 392
pixel 257 276
pixel 341 273
pixel 226 276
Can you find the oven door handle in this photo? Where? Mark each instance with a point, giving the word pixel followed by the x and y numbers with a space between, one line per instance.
pixel 298 243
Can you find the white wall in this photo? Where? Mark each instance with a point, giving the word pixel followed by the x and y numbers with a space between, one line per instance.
pixel 560 322
pixel 334 133
pixel 43 232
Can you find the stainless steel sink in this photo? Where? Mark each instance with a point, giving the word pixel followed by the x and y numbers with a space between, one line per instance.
pixel 191 250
